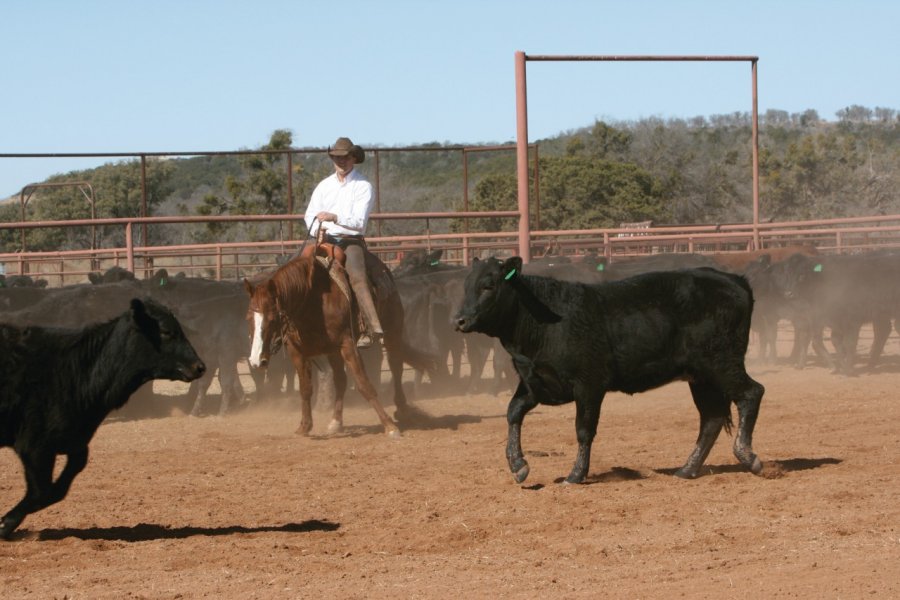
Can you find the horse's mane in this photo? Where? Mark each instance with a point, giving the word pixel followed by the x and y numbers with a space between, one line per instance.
pixel 295 279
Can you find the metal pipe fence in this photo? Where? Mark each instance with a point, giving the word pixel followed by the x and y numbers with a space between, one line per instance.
pixel 235 260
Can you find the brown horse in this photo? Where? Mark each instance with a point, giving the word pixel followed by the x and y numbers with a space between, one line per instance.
pixel 311 312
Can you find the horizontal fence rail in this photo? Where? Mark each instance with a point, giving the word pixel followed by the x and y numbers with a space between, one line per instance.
pixel 235 260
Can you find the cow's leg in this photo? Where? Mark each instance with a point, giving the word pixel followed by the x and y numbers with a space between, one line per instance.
pixel 587 415
pixel 365 387
pixel 847 355
pixel 881 330
pixel 802 337
pixel 199 388
pixel 228 377
pixel 38 469
pixel 714 408
pixel 816 332
pixel 844 338
pixel 747 397
pixel 519 406
pixel 76 461
pixel 477 361
pixel 339 381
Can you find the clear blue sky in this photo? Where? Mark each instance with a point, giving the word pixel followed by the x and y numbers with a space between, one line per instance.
pixel 185 75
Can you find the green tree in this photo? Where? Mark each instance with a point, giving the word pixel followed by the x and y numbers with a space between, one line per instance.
pixel 576 192
pixel 260 189
pixel 117 193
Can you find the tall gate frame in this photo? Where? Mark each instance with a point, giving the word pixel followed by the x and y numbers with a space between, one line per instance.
pixel 522 129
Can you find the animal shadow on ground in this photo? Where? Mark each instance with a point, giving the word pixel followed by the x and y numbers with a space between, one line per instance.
pixel 772 469
pixel 420 421
pixel 144 532
pixel 614 474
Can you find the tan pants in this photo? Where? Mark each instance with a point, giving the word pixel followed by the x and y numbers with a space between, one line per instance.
pixel 359 281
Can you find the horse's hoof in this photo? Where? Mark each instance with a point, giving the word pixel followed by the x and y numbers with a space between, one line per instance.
pixel 335 427
pixel 395 434
pixel 304 431
pixel 522 474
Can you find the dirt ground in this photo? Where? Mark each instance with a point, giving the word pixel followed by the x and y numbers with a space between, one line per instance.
pixel 240 507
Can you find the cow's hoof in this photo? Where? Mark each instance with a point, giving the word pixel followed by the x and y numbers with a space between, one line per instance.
pixel 522 474
pixel 335 427
pixel 7 526
pixel 395 434
pixel 684 473
pixel 573 479
pixel 757 466
pixel 303 430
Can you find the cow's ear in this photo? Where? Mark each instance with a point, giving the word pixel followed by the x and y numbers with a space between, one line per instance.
pixel 137 307
pixel 511 267
pixel 248 286
pixel 139 313
pixel 435 257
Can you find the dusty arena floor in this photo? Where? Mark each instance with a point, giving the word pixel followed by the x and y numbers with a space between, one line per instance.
pixel 240 507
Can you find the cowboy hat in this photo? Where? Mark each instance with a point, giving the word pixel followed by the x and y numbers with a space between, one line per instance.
pixel 343 146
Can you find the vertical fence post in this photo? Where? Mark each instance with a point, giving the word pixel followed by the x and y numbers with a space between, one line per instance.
pixel 144 239
pixel 290 194
pixel 755 150
pixel 129 246
pixel 522 157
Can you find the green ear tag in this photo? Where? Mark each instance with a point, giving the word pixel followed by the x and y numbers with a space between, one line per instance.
pixel 601 267
pixel 817 268
pixel 435 263
pixel 510 275
pixel 162 282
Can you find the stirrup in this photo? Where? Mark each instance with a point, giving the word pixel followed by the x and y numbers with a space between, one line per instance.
pixel 365 341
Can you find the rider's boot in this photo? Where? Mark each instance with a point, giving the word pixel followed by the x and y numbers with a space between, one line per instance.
pixel 372 325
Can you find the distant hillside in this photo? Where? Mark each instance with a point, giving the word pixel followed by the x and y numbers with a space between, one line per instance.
pixel 668 170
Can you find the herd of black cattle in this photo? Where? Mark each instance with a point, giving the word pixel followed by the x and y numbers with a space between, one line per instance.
pixel 813 293
pixel 83 350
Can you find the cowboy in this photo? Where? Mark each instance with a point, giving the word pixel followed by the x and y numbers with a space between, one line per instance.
pixel 340 205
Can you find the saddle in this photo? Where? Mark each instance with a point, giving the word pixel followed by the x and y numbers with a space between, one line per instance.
pixel 327 255
pixel 334 260
pixel 380 281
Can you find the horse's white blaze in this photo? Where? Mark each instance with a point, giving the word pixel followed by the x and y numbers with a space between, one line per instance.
pixel 256 343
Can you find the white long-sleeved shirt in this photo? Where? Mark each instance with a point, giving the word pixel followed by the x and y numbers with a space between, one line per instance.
pixel 351 200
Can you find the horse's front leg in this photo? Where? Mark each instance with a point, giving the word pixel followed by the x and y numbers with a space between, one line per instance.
pixel 339 380
pixel 301 365
pixel 365 387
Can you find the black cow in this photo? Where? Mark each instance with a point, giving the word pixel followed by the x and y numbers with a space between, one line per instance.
pixel 12 281
pixel 58 385
pixel 219 330
pixel 842 293
pixel 111 275
pixel 572 341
